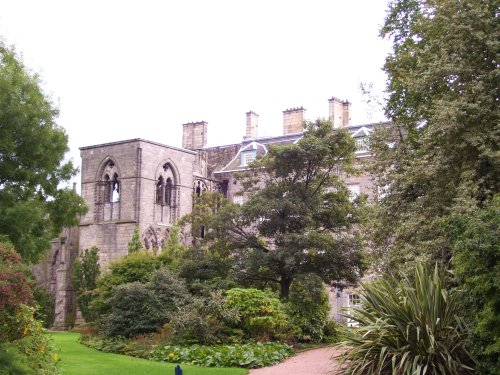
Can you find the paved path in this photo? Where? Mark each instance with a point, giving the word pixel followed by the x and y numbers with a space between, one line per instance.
pixel 311 362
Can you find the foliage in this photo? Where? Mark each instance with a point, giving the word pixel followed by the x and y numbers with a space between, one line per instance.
pixel 173 249
pixel 202 265
pixel 475 235
pixel 308 307
pixel 443 87
pixel 206 321
pixel 137 308
pixel 85 273
pixel 45 304
pixel 408 327
pixel 32 342
pixel 240 355
pixel 298 217
pixel 261 316
pixel 77 359
pixel 12 362
pixel 133 267
pixel 14 286
pixel 135 244
pixel 33 207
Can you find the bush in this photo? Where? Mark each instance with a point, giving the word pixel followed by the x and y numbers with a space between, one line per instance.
pixel 308 307
pixel 244 355
pixel 134 267
pixel 206 320
pixel 137 308
pixel 35 345
pixel 408 327
pixel 12 362
pixel 85 273
pixel 261 316
pixel 199 265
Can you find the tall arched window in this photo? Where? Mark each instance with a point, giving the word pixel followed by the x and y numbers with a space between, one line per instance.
pixel 166 186
pixel 168 192
pixel 159 190
pixel 115 189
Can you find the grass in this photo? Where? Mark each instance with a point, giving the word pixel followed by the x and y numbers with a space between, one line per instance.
pixel 77 359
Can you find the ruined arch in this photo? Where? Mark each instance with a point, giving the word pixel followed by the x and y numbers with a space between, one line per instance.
pixel 107 190
pixel 167 184
pixel 150 239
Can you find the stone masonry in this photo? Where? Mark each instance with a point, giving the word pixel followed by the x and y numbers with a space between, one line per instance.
pixel 149 185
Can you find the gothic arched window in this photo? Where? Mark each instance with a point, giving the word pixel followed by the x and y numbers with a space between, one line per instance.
pixel 166 186
pixel 159 190
pixel 110 182
pixel 168 192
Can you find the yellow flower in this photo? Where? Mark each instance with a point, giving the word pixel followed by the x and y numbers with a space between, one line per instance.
pixel 55 357
pixel 42 348
pixel 170 355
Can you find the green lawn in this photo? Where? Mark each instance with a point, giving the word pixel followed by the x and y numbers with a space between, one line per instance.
pixel 77 359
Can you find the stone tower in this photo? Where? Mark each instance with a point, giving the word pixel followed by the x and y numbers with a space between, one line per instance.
pixel 133 183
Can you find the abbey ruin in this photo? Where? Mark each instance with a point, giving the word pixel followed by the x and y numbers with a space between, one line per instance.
pixel 145 184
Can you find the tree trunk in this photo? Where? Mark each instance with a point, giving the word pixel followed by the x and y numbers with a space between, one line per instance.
pixel 285 283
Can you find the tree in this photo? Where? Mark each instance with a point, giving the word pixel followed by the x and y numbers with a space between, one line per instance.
pixel 474 235
pixel 134 244
pixel 298 217
pixel 443 87
pixel 32 146
pixel 438 161
pixel 85 274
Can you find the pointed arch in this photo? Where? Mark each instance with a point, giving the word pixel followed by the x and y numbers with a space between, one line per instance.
pixel 150 239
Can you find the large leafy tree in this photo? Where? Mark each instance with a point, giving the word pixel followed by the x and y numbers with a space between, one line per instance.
pixel 443 93
pixel 32 146
pixel 438 162
pixel 298 217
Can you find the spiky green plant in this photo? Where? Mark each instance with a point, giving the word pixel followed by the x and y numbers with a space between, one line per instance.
pixel 408 326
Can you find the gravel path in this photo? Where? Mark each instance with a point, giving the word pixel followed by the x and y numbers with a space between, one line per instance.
pixel 311 362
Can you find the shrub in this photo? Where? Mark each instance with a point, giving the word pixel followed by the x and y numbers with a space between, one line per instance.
pixel 12 362
pixel 408 327
pixel 206 320
pixel 244 355
pixel 261 316
pixel 137 308
pixel 134 267
pixel 35 345
pixel 308 307
pixel 85 273
pixel 14 286
pixel 199 265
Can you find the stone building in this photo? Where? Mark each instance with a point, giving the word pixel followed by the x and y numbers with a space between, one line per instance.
pixel 149 185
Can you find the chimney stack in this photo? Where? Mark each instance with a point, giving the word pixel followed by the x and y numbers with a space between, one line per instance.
pixel 252 125
pixel 194 135
pixel 293 120
pixel 339 112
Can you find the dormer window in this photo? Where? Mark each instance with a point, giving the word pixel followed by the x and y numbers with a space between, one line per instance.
pixel 247 157
pixel 361 143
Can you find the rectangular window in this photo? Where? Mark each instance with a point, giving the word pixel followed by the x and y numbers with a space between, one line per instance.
pixel 354 191
pixel 247 157
pixel 238 199
pixel 361 143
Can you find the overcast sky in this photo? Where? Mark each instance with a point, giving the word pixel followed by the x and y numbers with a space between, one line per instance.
pixel 140 69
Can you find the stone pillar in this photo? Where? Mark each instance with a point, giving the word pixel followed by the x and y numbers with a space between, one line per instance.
pixel 252 130
pixel 293 120
pixel 194 135
pixel 339 112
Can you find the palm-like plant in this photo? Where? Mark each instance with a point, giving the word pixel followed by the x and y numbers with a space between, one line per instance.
pixel 408 327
